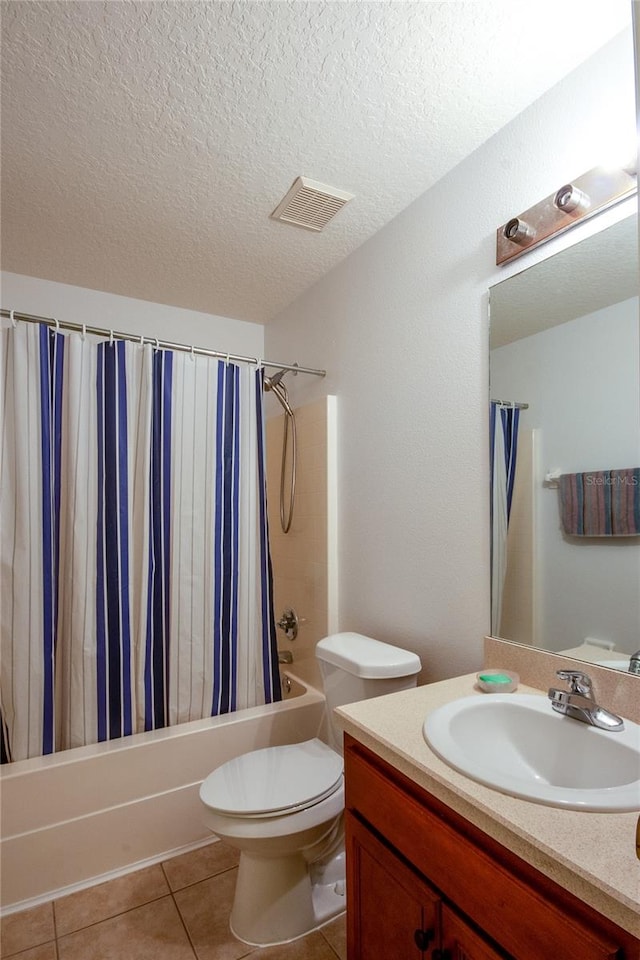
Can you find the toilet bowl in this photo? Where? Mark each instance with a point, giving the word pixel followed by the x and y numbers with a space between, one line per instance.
pixel 282 807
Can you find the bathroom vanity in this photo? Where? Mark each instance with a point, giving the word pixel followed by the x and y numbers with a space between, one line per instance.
pixel 444 868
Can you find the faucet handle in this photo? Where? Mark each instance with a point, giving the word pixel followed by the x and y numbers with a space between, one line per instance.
pixel 290 622
pixel 579 682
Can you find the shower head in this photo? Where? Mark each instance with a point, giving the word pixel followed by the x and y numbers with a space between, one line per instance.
pixel 271 382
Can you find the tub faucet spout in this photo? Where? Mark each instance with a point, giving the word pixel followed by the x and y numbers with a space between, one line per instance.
pixel 285 656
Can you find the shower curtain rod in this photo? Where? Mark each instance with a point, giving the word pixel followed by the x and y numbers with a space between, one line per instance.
pixel 511 403
pixel 165 344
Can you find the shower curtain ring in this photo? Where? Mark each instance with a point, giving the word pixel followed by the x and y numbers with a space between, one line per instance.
pixel 13 319
pixel 84 331
pixel 193 354
pixel 142 341
pixel 57 323
pixel 111 338
pixel 227 360
pixel 157 344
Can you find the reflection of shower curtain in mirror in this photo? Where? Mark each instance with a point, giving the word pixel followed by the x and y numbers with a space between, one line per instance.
pixel 518 619
pixel 136 581
pixel 503 426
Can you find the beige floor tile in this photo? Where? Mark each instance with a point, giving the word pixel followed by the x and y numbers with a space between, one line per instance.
pixel 151 932
pixel 199 864
pixel 46 951
pixel 336 934
pixel 312 947
pixel 25 929
pixel 78 910
pixel 205 909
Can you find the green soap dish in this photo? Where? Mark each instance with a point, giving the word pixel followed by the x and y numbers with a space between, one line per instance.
pixel 497 681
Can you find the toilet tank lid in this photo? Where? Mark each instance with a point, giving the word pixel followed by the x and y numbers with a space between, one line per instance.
pixel 365 657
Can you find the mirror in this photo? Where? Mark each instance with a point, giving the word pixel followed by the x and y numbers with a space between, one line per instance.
pixel 565 342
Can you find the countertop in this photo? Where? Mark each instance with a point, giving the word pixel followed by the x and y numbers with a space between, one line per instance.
pixel 590 854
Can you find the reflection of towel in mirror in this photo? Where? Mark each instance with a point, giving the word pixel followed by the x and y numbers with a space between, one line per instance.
pixel 601 503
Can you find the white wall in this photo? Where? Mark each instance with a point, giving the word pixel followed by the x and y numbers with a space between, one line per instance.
pixel 581 382
pixel 401 326
pixel 45 298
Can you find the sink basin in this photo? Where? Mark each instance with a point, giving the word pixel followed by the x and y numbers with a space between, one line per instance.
pixel 517 744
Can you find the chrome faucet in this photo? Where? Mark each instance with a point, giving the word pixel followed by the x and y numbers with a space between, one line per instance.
pixel 290 622
pixel 579 703
pixel 285 656
pixel 634 662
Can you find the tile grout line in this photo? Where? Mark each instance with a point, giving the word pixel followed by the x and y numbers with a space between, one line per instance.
pixel 250 950
pixel 186 886
pixel 210 876
pixel 55 926
pixel 122 913
pixel 33 946
pixel 185 928
pixel 330 945
pixel 55 930
pixel 112 916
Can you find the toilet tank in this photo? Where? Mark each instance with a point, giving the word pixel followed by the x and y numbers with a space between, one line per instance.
pixel 355 667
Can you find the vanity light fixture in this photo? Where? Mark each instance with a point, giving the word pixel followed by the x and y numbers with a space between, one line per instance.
pixel 519 232
pixel 585 196
pixel 569 199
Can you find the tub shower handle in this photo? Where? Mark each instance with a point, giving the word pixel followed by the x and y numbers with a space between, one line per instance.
pixel 289 622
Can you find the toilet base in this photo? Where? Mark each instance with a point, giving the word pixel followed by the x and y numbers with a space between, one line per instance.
pixel 276 900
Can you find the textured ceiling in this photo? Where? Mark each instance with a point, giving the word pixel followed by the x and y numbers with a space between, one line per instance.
pixel 144 144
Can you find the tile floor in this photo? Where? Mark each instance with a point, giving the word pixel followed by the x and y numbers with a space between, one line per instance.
pixel 177 910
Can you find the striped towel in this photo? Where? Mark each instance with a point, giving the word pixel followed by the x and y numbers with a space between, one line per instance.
pixel 602 503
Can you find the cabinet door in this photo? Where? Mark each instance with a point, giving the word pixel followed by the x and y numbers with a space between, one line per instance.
pixel 392 913
pixel 460 942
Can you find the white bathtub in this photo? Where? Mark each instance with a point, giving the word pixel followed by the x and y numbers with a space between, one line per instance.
pixel 88 814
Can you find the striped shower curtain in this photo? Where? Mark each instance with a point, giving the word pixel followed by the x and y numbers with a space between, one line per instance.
pixel 503 447
pixel 135 570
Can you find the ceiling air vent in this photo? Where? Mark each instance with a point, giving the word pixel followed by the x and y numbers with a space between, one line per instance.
pixel 310 204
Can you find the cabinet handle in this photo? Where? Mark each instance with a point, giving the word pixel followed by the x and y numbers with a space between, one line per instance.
pixel 423 938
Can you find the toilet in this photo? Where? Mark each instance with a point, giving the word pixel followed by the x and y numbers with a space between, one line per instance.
pixel 282 807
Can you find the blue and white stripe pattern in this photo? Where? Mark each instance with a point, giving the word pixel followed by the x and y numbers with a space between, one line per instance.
pixel 136 578
pixel 503 448
pixel 156 634
pixel 113 627
pixel 51 373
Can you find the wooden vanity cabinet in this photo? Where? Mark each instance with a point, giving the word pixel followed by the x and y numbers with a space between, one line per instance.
pixel 397 913
pixel 393 914
pixel 423 883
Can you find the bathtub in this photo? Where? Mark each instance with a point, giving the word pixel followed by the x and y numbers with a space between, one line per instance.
pixel 88 814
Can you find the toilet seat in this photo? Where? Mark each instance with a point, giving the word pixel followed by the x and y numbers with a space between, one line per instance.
pixel 274 781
